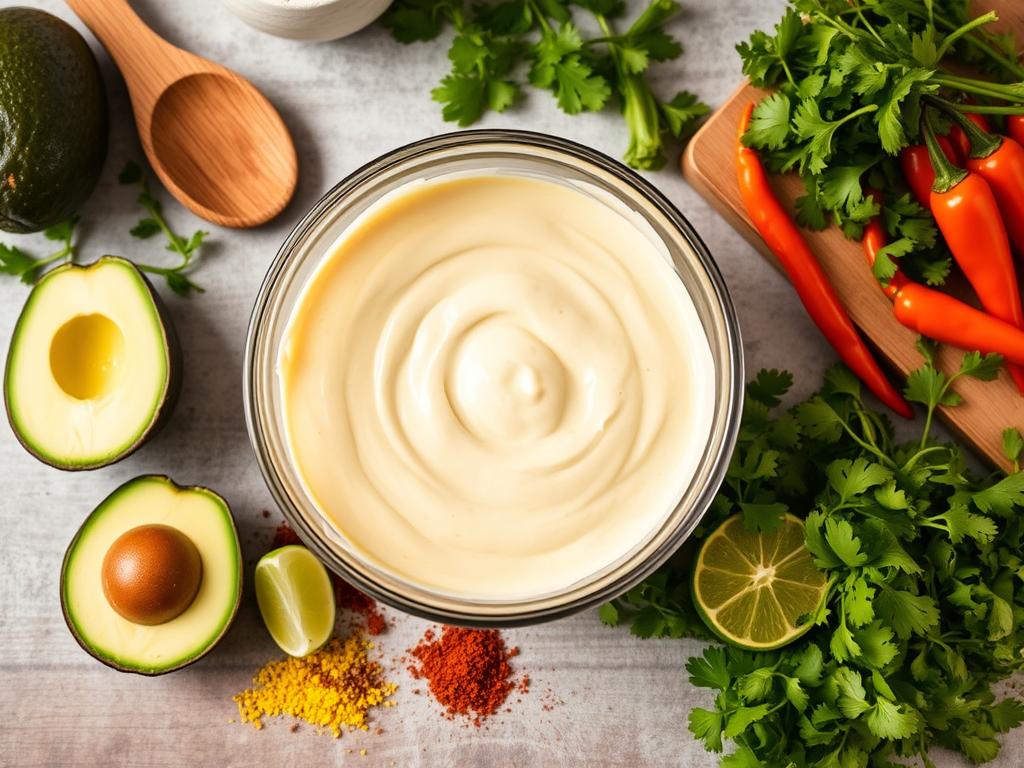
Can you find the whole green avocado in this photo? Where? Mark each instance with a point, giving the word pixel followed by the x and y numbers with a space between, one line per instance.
pixel 53 120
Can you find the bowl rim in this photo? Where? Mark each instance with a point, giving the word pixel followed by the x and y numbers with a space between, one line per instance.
pixel 718 462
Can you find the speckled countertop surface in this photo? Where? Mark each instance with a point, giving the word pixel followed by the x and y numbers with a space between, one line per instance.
pixel 620 701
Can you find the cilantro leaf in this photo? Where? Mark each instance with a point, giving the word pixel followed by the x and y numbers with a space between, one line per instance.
pixel 1006 715
pixel 770 386
pixel 891 117
pixel 682 113
pixel 928 386
pixel 1013 443
pixel 755 686
pixel 14 261
pixel 154 223
pixel 146 228
pixel 888 720
pixel 819 133
pixel 853 478
pixel 130 174
pixel 819 420
pixel 609 614
pixel 852 700
pixel 906 612
pixel 19 263
pixel 742 718
pixel 710 670
pixel 1003 497
pixel 707 726
pixel 415 20
pixel 844 544
pixel 769 124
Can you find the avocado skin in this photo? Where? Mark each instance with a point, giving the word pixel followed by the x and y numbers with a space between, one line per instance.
pixel 53 120
pixel 175 363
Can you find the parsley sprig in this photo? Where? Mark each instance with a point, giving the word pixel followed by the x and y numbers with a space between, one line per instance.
pixel 154 223
pixel 492 40
pixel 848 79
pixel 925 560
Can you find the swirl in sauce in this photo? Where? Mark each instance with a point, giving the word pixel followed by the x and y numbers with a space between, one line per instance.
pixel 495 387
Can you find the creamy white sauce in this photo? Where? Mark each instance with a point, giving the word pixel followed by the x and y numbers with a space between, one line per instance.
pixel 495 387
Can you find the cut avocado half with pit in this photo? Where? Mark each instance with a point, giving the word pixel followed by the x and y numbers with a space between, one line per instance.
pixel 94 365
pixel 53 120
pixel 151 503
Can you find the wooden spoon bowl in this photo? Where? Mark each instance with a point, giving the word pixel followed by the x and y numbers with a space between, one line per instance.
pixel 214 140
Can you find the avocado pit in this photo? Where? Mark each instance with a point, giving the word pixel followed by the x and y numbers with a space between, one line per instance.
pixel 151 574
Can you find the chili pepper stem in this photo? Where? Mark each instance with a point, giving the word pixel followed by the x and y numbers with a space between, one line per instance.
pixel 982 142
pixel 947 175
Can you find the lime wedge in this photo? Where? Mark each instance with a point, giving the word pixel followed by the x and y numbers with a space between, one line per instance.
pixel 758 590
pixel 296 599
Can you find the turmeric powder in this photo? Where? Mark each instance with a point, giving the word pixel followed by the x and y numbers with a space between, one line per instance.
pixel 333 688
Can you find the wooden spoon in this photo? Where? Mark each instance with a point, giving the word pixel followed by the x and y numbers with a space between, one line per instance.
pixel 213 139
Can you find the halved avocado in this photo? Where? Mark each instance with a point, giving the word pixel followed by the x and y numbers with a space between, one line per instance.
pixel 94 366
pixel 148 502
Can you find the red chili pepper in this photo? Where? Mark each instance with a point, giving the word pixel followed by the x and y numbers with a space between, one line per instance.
pixel 959 137
pixel 941 317
pixel 918 171
pixel 968 216
pixel 1000 161
pixel 875 238
pixel 1015 127
pixel 819 298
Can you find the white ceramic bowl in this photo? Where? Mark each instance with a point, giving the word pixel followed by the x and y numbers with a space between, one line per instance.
pixel 316 20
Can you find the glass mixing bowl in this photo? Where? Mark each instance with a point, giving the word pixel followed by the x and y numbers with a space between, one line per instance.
pixel 517 153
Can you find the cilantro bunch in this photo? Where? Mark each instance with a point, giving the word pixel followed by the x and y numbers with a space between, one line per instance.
pixel 847 80
pixel 925 608
pixel 494 43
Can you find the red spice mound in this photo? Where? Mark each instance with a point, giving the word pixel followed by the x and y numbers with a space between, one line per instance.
pixel 351 599
pixel 348 597
pixel 467 670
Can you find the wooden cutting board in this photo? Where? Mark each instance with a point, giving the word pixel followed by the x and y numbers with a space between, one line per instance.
pixel 708 165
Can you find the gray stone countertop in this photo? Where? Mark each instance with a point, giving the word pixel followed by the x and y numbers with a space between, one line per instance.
pixel 620 701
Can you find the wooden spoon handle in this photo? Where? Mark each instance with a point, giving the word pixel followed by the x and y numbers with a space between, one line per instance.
pixel 147 62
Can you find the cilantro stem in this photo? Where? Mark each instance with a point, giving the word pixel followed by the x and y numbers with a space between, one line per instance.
pixel 871 29
pixel 980 87
pixel 973 24
pixel 976 39
pixel 538 13
pixel 989 109
pixel 175 272
pixel 63 254
pixel 872 449
pixel 921 453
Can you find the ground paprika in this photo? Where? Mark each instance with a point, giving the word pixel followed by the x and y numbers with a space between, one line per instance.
pixel 467 670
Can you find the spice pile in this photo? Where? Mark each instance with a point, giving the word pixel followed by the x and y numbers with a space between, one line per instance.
pixel 332 688
pixel 348 597
pixel 467 671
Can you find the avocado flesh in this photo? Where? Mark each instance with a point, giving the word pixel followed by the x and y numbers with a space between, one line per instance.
pixel 53 120
pixel 206 519
pixel 93 367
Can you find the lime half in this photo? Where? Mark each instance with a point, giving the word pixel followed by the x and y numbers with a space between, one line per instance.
pixel 758 590
pixel 296 599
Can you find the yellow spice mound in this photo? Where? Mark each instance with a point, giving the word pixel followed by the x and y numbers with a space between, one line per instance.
pixel 332 688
